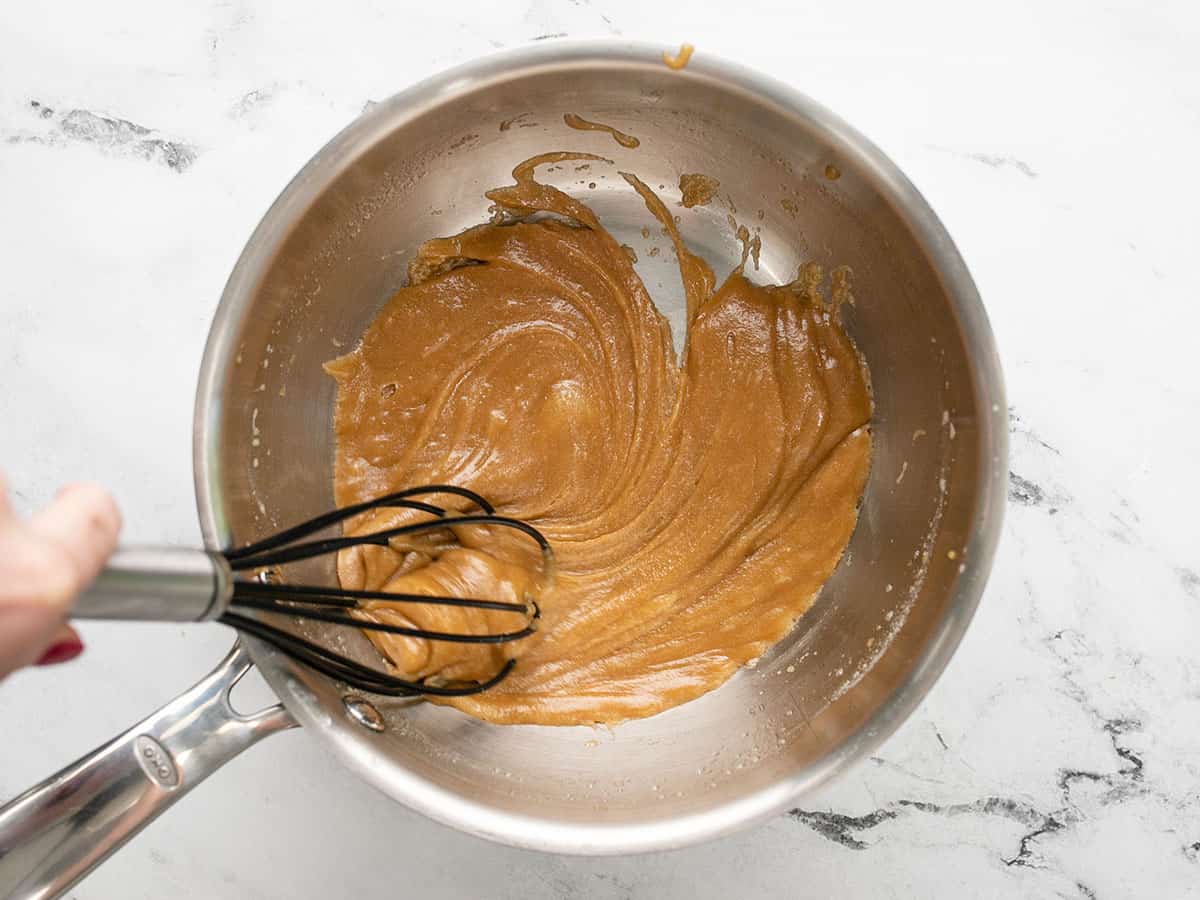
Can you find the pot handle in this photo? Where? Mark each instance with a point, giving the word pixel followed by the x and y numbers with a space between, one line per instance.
pixel 57 832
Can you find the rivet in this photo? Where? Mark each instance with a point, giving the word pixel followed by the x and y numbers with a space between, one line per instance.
pixel 362 712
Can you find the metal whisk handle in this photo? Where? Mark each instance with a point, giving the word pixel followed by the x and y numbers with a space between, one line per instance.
pixel 159 584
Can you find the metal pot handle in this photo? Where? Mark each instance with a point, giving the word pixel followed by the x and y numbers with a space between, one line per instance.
pixel 57 832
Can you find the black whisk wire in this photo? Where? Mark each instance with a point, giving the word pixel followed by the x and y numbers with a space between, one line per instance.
pixel 398 499
pixel 332 605
pixel 354 673
pixel 282 555
pixel 344 597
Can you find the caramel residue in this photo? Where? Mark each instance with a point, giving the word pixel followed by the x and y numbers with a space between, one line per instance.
pixel 581 124
pixel 696 498
pixel 751 244
pixel 832 172
pixel 840 286
pixel 697 189
pixel 680 59
pixel 630 252
pixel 807 282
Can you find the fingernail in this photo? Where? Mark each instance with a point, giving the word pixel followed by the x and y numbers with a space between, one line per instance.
pixel 60 653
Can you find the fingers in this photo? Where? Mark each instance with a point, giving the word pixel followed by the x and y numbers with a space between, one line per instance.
pixel 44 563
pixel 82 523
pixel 6 510
pixel 26 631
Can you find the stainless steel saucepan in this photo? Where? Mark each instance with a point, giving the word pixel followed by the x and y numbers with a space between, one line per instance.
pixel 332 249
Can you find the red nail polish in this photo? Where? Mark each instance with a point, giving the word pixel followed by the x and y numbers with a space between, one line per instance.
pixel 60 653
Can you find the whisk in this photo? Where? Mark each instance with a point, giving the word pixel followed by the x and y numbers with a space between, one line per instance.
pixel 179 585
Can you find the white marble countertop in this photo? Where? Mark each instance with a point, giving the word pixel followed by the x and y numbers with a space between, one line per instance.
pixel 1059 756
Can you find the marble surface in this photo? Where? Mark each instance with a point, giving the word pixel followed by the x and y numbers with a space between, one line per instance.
pixel 1059 756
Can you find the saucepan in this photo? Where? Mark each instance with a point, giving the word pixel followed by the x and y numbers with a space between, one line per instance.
pixel 332 249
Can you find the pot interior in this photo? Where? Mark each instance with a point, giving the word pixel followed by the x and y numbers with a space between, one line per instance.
pixel 336 245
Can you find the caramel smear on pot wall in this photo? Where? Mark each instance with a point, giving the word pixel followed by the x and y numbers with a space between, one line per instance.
pixel 696 189
pixel 695 503
pixel 580 124
pixel 680 59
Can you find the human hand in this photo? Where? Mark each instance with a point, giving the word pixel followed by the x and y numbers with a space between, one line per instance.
pixel 45 561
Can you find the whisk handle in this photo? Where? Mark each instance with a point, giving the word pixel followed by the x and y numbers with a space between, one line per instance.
pixel 159 584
